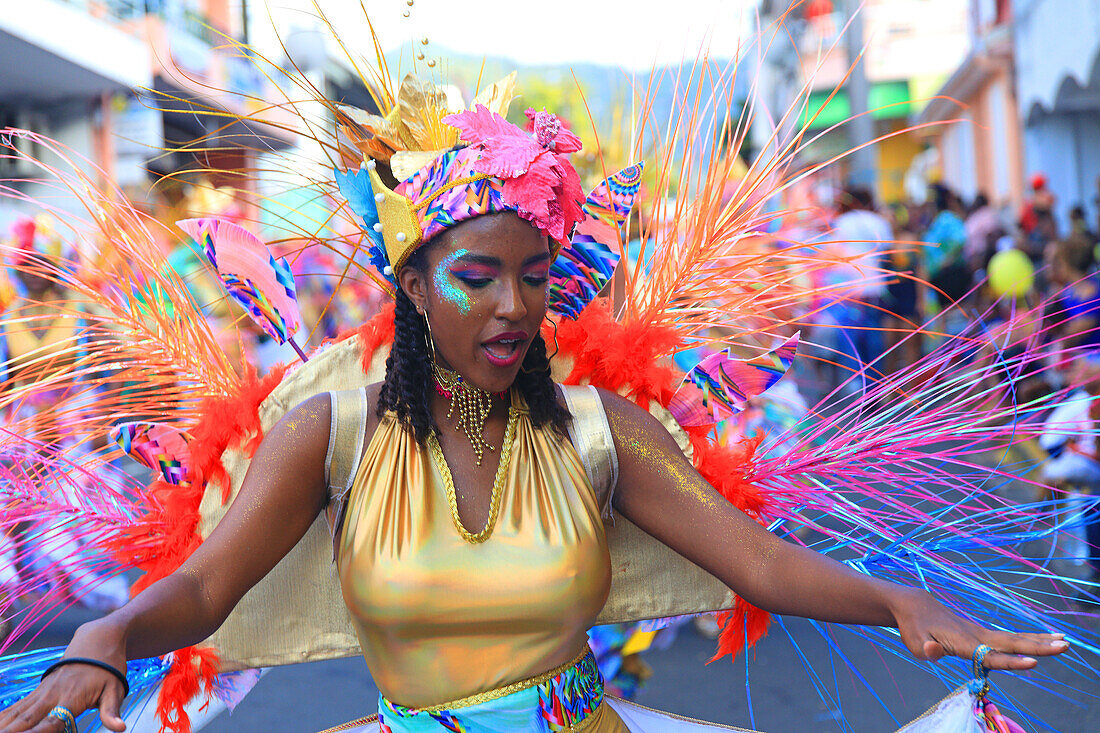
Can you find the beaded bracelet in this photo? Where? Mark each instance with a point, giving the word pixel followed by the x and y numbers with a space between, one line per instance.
pixel 94 663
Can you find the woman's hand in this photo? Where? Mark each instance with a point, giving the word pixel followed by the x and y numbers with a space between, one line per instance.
pixel 78 687
pixel 931 631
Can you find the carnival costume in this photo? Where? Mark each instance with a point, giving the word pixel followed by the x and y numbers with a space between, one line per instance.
pixel 33 334
pixel 420 600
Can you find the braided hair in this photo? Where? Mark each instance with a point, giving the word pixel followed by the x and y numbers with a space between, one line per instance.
pixel 409 382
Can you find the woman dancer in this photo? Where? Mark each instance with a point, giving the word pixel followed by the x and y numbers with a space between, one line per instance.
pixel 470 545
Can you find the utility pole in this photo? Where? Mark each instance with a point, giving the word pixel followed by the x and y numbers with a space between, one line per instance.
pixel 861 128
pixel 244 22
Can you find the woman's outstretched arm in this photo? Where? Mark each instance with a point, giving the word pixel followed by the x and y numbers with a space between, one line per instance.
pixel 280 497
pixel 661 492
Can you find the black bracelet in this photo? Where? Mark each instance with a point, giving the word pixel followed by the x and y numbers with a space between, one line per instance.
pixel 94 663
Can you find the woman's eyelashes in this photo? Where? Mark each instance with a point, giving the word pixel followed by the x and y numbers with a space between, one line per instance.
pixel 537 277
pixel 478 279
pixel 474 278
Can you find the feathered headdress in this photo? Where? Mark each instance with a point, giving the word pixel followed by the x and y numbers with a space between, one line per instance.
pixel 497 167
pixel 501 168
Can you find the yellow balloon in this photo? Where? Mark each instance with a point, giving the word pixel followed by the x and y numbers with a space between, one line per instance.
pixel 1010 273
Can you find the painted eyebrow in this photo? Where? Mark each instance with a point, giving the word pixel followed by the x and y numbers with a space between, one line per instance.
pixel 537 259
pixel 472 259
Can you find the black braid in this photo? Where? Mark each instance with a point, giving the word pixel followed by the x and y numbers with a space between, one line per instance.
pixel 536 386
pixel 409 380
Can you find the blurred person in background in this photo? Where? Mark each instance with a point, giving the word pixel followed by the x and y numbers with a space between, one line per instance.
pixel 44 334
pixel 1038 205
pixel 902 301
pixel 1036 219
pixel 1075 294
pixel 983 228
pixel 1079 225
pixel 1069 438
pixel 862 235
pixel 947 232
pixel 945 266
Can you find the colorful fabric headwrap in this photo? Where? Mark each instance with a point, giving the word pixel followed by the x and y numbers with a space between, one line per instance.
pixel 449 191
pixel 500 168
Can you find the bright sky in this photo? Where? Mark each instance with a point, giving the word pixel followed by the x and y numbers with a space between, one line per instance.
pixel 633 34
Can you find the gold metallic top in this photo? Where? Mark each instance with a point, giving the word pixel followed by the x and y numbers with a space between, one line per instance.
pixel 508 689
pixel 441 619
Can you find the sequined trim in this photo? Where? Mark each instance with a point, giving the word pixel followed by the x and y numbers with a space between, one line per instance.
pixel 352 724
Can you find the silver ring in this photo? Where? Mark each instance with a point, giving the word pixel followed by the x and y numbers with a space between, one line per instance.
pixel 65 715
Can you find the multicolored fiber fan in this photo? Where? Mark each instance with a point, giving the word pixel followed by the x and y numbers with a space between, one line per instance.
pixel 718 387
pixel 586 265
pixel 251 274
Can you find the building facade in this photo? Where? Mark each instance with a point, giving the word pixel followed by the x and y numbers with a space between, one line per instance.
pixel 973 121
pixel 1057 45
pixel 141 88
pixel 62 79
pixel 906 48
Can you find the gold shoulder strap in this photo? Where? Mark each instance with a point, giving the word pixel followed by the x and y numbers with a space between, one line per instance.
pixel 345 447
pixel 592 438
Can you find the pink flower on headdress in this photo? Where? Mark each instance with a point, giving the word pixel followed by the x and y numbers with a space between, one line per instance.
pixel 538 178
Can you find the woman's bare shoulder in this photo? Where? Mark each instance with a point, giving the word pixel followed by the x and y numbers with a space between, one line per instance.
pixel 618 406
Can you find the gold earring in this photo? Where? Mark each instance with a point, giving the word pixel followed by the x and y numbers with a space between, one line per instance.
pixel 428 336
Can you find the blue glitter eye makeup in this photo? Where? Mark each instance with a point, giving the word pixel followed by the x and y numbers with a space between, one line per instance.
pixel 445 283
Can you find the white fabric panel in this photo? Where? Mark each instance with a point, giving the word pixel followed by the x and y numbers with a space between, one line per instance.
pixel 953 714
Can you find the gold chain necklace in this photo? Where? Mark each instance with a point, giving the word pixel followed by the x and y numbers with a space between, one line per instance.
pixel 472 403
pixel 498 482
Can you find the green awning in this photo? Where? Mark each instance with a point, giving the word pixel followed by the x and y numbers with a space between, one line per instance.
pixel 887 101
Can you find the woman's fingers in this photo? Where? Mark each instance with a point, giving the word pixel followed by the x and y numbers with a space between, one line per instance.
pixel 1000 660
pixel 30 716
pixel 1043 646
pixel 933 650
pixel 77 690
pixel 49 725
pixel 1018 651
pixel 1008 651
pixel 12 712
pixel 110 704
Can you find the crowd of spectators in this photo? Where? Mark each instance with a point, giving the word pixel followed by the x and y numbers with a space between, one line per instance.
pixel 924 273
pixel 888 318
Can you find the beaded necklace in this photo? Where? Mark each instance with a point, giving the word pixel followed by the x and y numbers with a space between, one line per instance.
pixel 471 403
